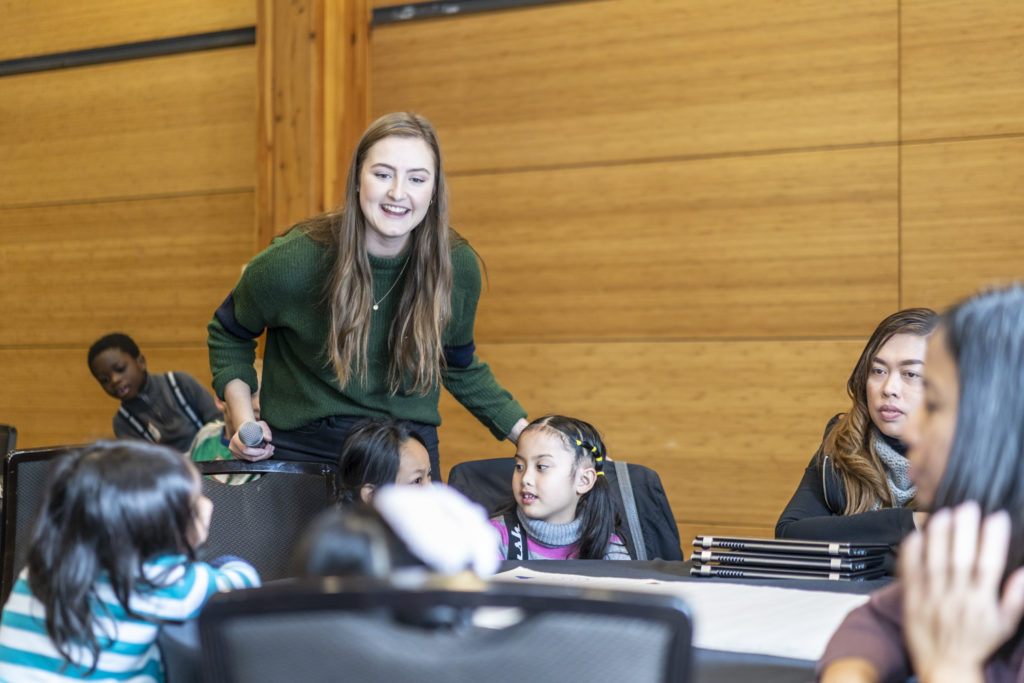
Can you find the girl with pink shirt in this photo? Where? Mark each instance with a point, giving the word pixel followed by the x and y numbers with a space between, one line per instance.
pixel 562 507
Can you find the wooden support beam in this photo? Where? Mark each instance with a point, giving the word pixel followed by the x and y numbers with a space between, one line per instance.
pixel 313 105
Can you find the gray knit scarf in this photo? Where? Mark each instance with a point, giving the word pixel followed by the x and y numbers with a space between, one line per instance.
pixel 897 470
pixel 551 535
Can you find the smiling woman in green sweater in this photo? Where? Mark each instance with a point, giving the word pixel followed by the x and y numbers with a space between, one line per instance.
pixel 368 310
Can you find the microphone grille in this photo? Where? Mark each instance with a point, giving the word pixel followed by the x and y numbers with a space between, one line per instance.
pixel 251 434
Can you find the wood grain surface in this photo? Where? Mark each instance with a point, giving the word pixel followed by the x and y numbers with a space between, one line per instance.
pixel 962 68
pixel 962 227
pixel 155 269
pixel 786 245
pixel 30 28
pixel 163 126
pixel 598 82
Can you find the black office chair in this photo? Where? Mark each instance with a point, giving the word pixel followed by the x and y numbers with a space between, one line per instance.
pixel 26 475
pixel 8 437
pixel 639 498
pixel 262 519
pixel 334 630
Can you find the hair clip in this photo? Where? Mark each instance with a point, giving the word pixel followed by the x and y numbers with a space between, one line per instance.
pixel 600 473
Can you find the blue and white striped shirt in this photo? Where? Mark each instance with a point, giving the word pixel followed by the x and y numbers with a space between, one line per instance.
pixel 128 644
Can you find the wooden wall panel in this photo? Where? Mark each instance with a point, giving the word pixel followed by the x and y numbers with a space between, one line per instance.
pixel 31 28
pixel 170 125
pixel 962 228
pixel 729 426
pixel 785 245
pixel 51 397
pixel 313 106
pixel 290 124
pixel 127 202
pixel 155 269
pixel 671 252
pixel 962 68
pixel 593 82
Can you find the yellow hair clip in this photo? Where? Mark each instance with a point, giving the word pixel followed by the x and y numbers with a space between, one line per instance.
pixel 601 473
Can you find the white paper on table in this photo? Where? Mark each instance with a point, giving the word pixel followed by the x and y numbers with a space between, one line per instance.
pixel 764 620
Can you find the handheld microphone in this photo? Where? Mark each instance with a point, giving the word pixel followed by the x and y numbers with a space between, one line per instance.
pixel 251 434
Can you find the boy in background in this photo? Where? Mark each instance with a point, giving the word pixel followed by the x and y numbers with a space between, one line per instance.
pixel 167 408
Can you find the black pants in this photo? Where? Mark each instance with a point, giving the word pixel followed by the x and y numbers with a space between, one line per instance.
pixel 320 441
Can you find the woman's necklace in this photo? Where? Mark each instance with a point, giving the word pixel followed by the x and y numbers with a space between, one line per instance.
pixel 376 304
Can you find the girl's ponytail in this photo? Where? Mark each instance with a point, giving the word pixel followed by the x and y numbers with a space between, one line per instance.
pixel 61 574
pixel 597 520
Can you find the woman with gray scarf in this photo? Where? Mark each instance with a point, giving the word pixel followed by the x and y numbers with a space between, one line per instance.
pixel 857 486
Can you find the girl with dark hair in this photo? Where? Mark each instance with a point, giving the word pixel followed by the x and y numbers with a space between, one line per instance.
pixel 369 309
pixel 562 507
pixel 857 486
pixel 955 612
pixel 111 557
pixel 381 451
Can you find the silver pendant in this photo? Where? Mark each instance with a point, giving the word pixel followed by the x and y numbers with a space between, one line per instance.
pixel 375 307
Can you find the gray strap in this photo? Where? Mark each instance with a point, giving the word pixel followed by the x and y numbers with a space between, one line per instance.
pixel 183 402
pixel 629 504
pixel 135 424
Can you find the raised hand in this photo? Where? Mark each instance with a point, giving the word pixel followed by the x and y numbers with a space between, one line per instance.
pixel 955 616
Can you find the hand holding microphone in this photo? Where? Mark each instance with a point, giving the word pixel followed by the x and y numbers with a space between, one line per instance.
pixel 251 436
pixel 252 439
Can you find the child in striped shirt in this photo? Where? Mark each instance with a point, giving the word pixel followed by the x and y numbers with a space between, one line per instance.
pixel 112 556
pixel 562 507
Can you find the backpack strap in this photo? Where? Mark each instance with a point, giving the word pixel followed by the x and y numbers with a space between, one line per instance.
pixel 516 539
pixel 135 424
pixel 179 396
pixel 629 504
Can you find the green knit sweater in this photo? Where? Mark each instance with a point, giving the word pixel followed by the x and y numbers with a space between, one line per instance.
pixel 281 291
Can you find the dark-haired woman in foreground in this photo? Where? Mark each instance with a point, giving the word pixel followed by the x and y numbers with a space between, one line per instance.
pixel 955 612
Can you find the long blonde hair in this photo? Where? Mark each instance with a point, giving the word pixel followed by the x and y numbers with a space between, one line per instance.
pixel 424 306
pixel 850 442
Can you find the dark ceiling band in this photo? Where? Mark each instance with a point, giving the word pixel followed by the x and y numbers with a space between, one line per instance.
pixel 118 53
pixel 428 10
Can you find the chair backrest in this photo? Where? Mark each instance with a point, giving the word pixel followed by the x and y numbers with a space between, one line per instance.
pixel 489 482
pixel 8 437
pixel 261 520
pixel 26 476
pixel 341 630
